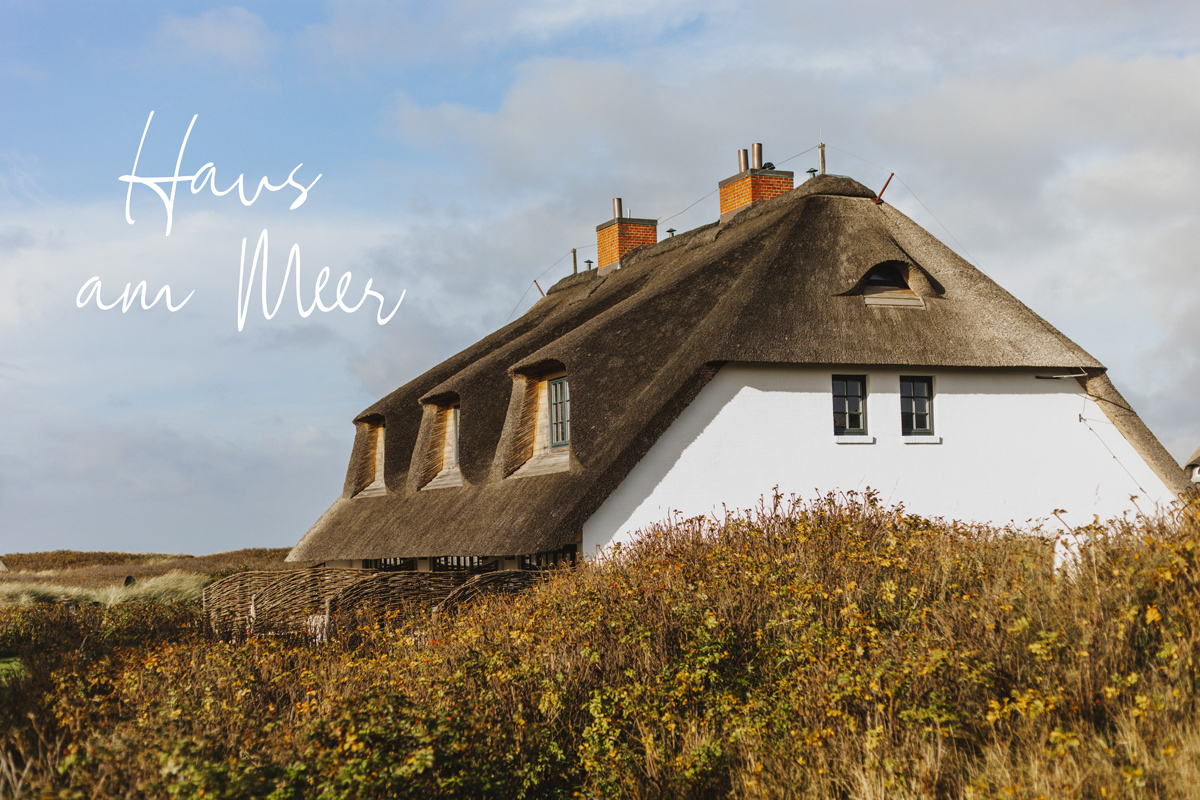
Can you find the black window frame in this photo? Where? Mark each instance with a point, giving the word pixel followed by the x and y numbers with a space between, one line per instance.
pixel 843 405
pixel 910 404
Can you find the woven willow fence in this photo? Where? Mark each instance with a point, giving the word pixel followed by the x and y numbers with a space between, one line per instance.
pixel 227 602
pixel 312 602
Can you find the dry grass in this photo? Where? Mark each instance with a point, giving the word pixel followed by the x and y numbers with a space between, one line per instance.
pixel 831 650
pixel 171 587
pixel 63 570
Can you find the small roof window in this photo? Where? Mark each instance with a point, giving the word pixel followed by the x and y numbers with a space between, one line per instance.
pixel 885 285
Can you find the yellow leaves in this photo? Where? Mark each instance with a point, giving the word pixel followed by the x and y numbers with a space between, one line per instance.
pixel 1031 703
pixel 889 591
pixel 1061 742
pixel 1152 615
pixel 1133 775
pixel 1020 625
pixel 936 657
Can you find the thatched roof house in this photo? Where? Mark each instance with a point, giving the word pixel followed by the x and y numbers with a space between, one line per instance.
pixel 1193 467
pixel 711 366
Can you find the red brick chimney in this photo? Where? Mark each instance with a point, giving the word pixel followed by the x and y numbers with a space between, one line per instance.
pixel 620 235
pixel 752 184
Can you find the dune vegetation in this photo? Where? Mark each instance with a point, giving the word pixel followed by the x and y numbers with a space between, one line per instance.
pixel 831 649
pixel 76 569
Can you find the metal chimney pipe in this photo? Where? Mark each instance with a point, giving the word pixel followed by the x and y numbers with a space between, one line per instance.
pixel 743 160
pixel 821 147
pixel 616 208
pixel 574 263
pixel 756 161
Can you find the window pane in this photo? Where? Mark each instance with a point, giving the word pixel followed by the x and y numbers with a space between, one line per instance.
pixel 916 405
pixel 849 408
pixel 560 413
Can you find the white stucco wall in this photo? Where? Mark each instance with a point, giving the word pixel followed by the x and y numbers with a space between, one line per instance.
pixel 1012 449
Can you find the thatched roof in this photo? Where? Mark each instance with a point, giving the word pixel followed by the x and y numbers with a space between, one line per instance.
pixel 780 283
pixel 1194 461
pixel 3 566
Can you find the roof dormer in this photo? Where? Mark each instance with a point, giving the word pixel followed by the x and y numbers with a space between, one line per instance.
pixel 435 462
pixel 895 283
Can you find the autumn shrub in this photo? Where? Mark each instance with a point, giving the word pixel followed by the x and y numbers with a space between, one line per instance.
pixel 831 649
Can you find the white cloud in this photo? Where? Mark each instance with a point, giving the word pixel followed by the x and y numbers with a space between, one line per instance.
pixel 1059 142
pixel 227 37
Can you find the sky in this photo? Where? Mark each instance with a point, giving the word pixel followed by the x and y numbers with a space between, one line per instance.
pixel 451 153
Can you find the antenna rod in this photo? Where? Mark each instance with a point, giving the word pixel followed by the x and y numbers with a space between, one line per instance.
pixel 879 197
pixel 821 148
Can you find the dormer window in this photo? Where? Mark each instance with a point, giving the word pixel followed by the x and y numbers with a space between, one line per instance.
pixel 886 276
pixel 440 468
pixel 885 285
pixel 369 478
pixel 544 426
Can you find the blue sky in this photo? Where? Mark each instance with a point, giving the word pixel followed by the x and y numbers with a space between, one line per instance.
pixel 463 148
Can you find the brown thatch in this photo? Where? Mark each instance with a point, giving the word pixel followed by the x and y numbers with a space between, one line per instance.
pixel 782 282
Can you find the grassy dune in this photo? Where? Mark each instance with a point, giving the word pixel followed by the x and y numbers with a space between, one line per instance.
pixel 171 587
pixel 831 650
pixel 80 576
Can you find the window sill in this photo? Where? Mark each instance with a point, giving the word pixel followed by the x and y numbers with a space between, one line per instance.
pixel 451 476
pixel 925 439
pixel 546 462
pixel 375 489
pixel 854 439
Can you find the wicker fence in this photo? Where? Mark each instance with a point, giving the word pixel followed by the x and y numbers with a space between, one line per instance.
pixel 312 602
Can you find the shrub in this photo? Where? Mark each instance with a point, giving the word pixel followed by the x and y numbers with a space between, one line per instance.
pixel 834 649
